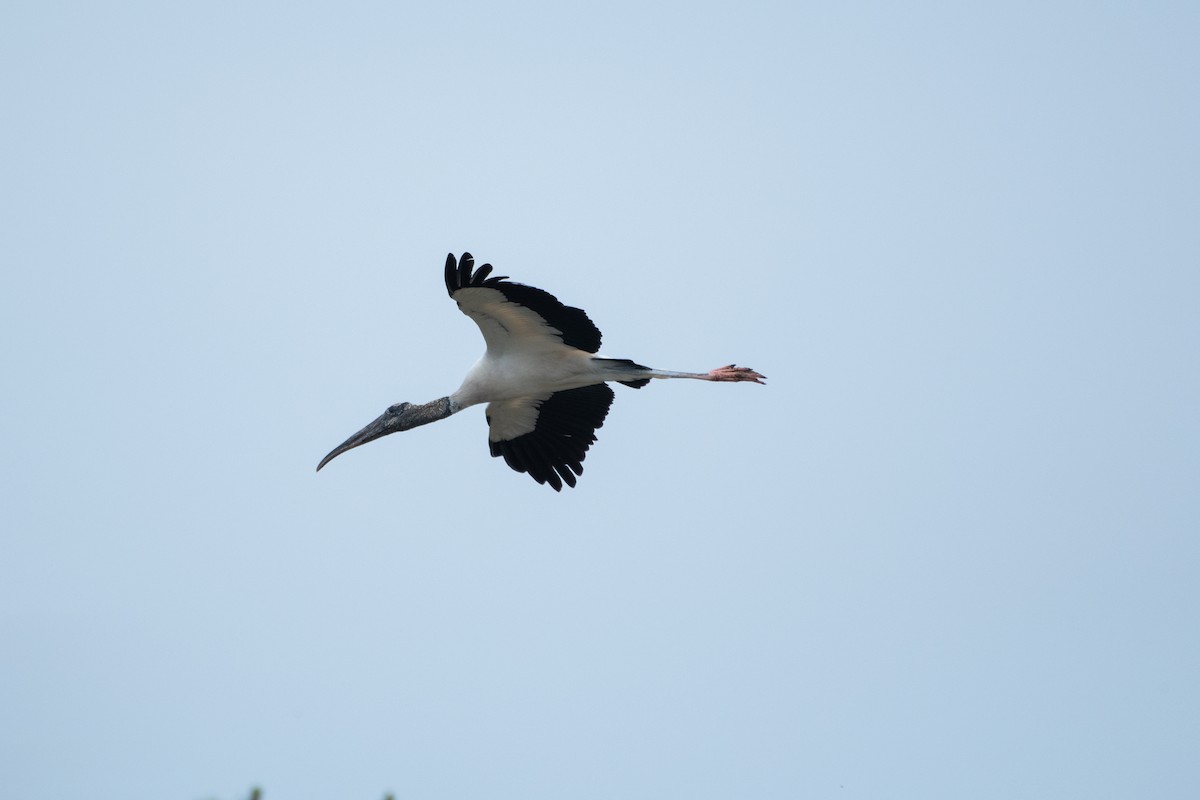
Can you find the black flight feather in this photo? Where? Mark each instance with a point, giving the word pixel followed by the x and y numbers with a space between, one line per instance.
pixel 553 452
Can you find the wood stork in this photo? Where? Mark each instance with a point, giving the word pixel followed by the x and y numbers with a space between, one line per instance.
pixel 544 384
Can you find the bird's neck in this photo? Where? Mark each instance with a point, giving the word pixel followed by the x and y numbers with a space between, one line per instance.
pixel 426 413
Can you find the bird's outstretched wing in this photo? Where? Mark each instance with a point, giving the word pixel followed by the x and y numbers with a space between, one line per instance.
pixel 548 436
pixel 513 314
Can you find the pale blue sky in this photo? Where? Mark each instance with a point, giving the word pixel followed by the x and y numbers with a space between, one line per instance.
pixel 949 552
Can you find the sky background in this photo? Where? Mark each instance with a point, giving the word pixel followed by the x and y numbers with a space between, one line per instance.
pixel 949 551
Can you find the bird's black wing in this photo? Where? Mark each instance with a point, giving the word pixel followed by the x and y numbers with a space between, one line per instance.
pixel 469 287
pixel 548 437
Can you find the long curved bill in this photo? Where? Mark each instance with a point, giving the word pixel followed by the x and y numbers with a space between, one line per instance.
pixel 367 434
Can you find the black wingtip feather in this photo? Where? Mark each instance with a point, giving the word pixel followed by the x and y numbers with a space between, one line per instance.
pixel 451 274
pixel 567 475
pixel 464 269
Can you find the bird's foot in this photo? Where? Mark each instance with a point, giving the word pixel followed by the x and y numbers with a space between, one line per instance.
pixel 735 373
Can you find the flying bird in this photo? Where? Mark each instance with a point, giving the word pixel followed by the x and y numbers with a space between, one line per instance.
pixel 544 383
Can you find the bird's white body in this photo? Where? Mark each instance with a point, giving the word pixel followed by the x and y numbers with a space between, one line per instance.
pixel 521 371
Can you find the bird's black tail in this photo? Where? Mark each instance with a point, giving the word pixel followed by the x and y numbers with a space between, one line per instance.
pixel 625 364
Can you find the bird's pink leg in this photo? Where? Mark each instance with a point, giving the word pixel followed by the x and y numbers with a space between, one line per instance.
pixel 733 372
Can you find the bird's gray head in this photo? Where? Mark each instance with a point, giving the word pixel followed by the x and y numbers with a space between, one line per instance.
pixel 399 417
pixel 390 421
